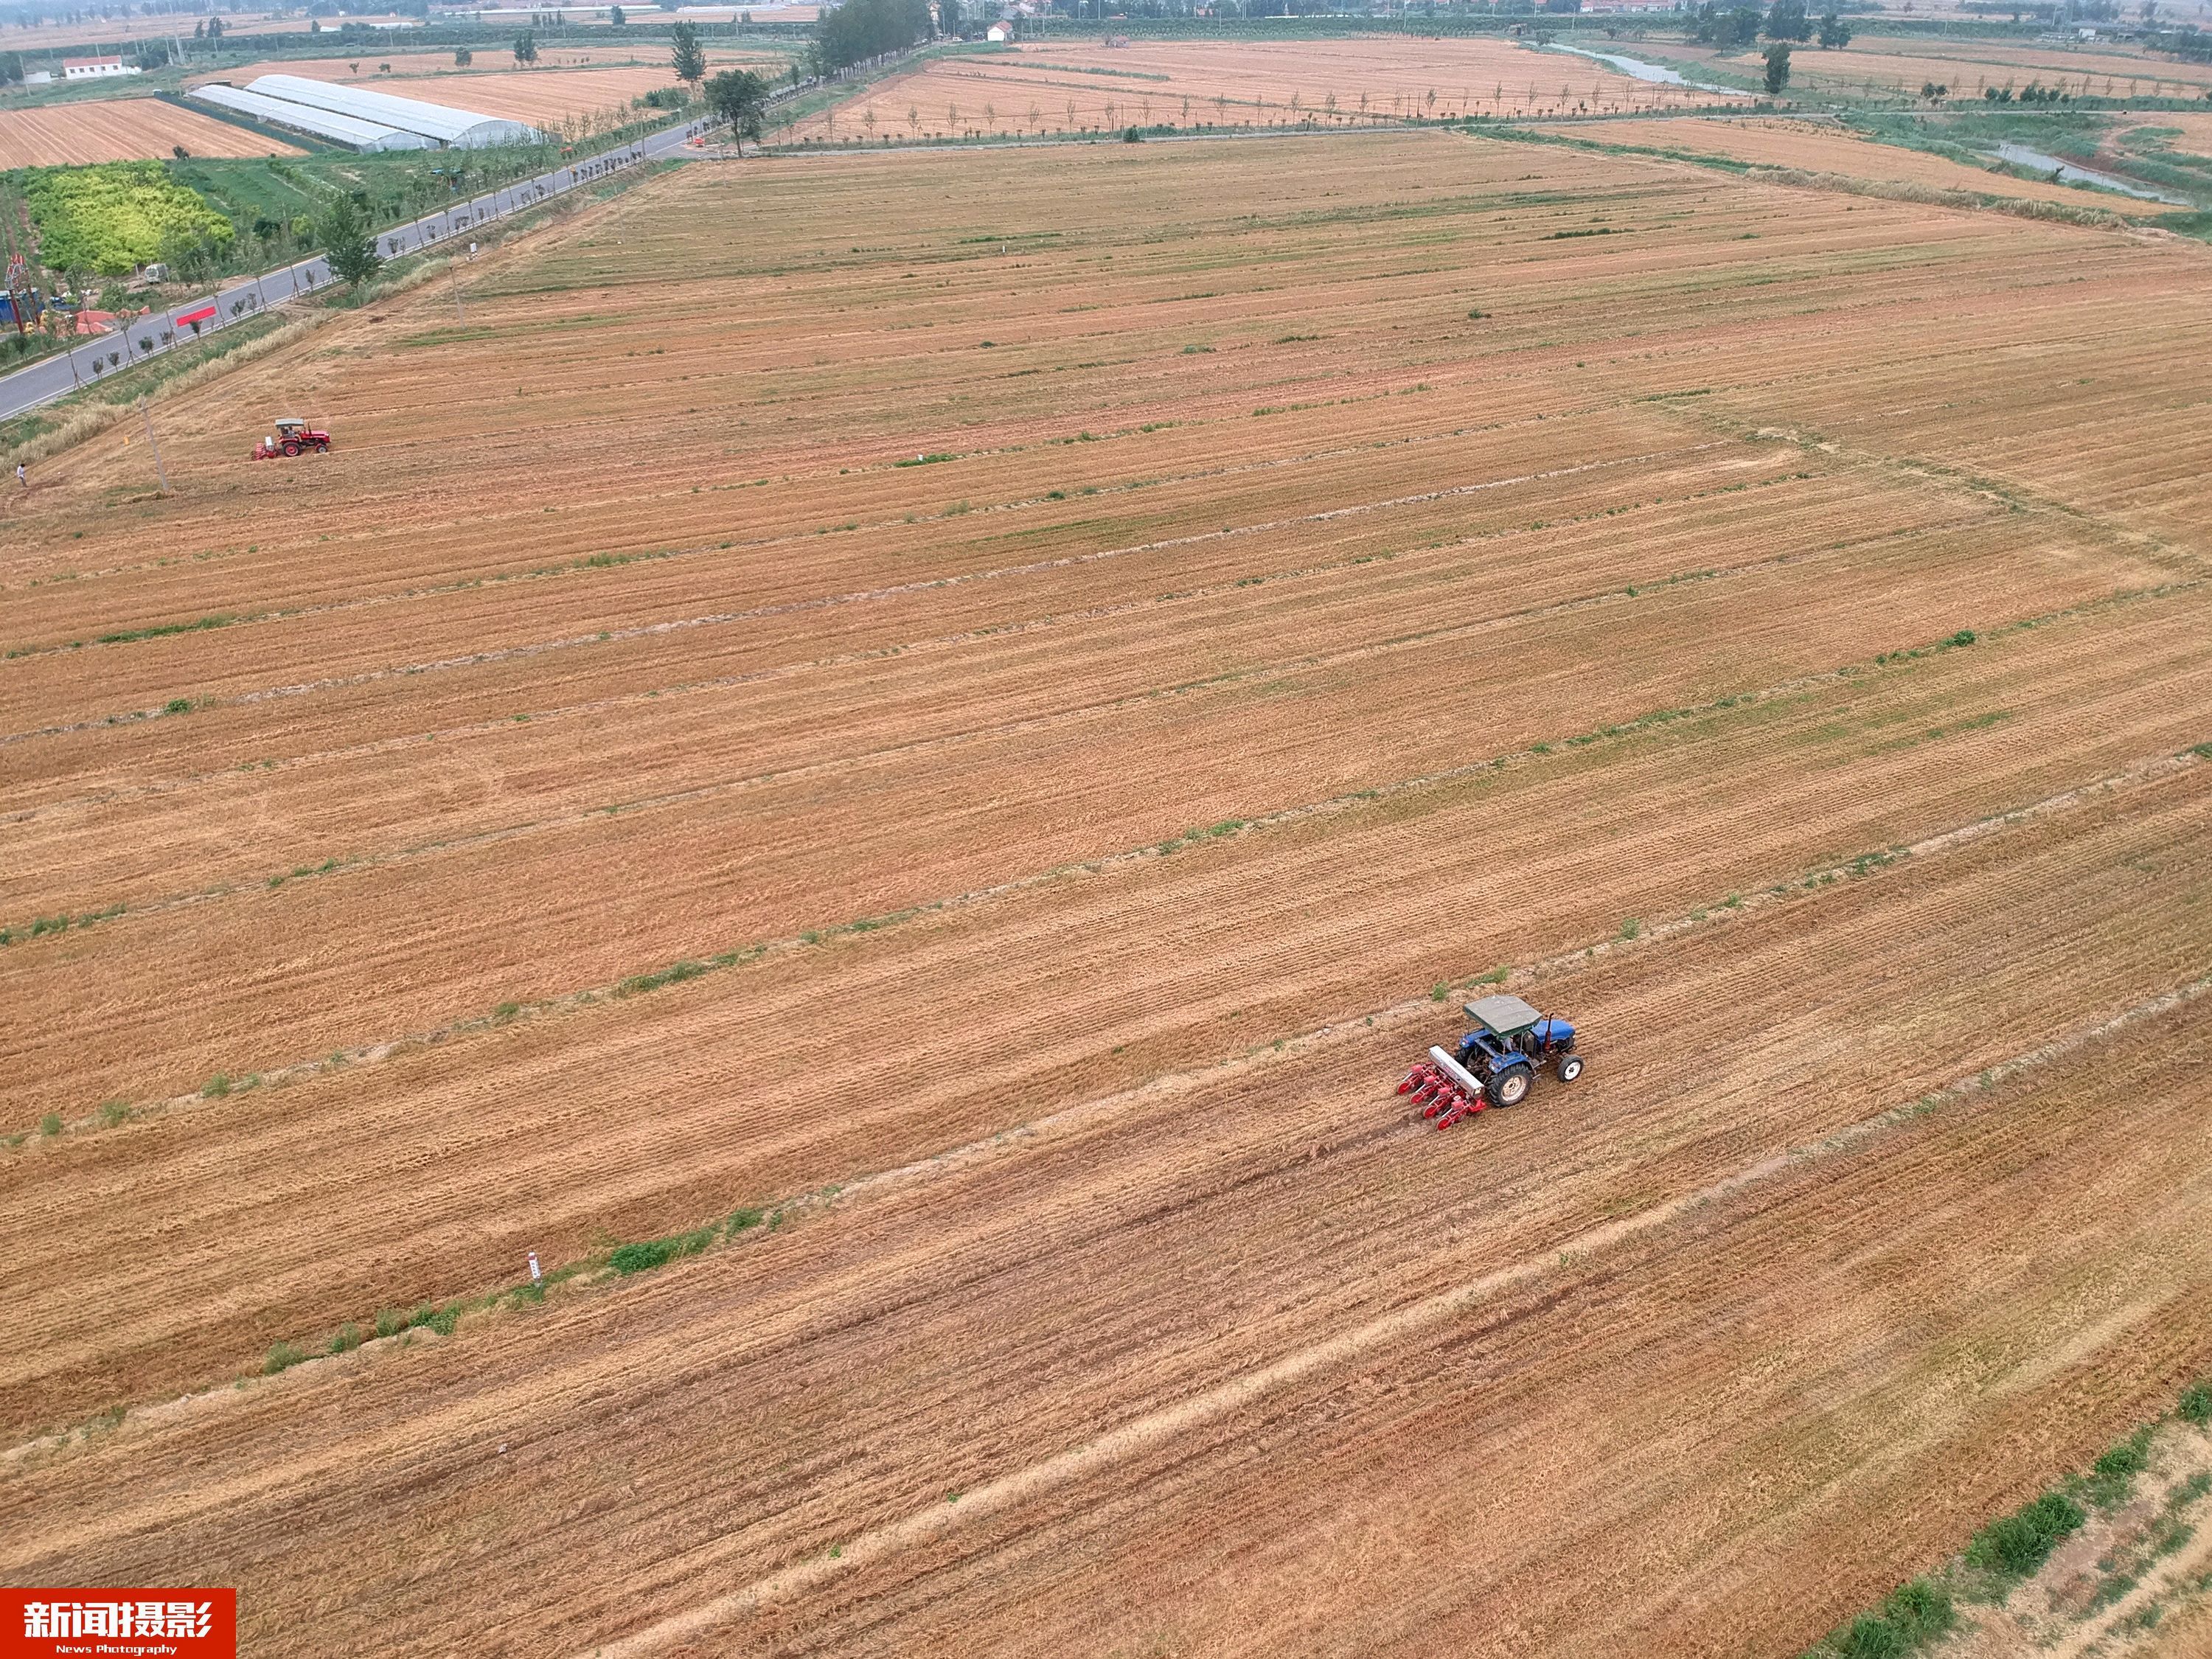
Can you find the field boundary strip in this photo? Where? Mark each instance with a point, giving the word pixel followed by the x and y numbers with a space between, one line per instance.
pixel 1168 1423
pixel 949 1160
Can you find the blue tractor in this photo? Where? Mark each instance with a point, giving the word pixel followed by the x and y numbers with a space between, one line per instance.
pixel 1495 1063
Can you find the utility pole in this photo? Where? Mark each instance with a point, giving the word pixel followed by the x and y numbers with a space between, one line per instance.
pixel 160 471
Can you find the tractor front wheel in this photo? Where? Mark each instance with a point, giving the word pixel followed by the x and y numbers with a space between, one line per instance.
pixel 1570 1069
pixel 1510 1087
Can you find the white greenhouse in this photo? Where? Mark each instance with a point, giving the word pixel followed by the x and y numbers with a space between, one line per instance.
pixel 460 128
pixel 318 123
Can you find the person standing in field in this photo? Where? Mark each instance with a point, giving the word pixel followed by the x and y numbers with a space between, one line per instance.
pixel 20 478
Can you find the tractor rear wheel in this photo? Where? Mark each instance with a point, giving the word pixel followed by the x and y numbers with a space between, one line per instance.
pixel 1570 1069
pixel 1510 1087
pixel 291 449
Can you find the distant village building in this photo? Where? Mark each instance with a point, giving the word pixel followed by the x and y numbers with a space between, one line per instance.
pixel 1001 31
pixel 86 68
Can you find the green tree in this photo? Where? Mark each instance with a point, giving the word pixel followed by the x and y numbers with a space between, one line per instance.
pixel 1777 68
pixel 1834 32
pixel 526 48
pixel 1788 21
pixel 215 28
pixel 739 97
pixel 684 55
pixel 860 29
pixel 11 67
pixel 348 242
pixel 1738 27
pixel 948 16
pixel 463 58
pixel 615 16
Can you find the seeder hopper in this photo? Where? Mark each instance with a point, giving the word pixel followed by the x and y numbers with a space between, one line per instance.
pixel 1495 1063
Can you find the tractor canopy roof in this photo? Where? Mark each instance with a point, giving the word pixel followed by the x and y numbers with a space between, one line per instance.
pixel 1502 1014
pixel 285 423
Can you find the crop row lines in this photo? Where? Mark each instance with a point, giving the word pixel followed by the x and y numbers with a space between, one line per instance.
pixel 798 537
pixel 964 636
pixel 1164 1424
pixel 824 602
pixel 44 926
pixel 112 1113
pixel 759 1220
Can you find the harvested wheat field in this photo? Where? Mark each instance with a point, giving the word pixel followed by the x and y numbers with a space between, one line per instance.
pixel 367 69
pixel 545 96
pixel 1054 87
pixel 120 130
pixel 928 765
pixel 2192 133
pixel 1905 64
pixel 1822 148
pixel 56 33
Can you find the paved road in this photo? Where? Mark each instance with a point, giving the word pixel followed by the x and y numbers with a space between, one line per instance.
pixel 94 358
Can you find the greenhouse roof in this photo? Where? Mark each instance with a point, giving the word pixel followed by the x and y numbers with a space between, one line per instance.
pixel 304 118
pixel 463 128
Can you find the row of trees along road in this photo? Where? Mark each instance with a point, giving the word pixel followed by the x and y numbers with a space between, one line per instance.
pixel 861 29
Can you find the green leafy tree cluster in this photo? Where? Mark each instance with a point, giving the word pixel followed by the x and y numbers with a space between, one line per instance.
pixel 1834 32
pixel 115 216
pixel 1737 28
pixel 739 96
pixel 861 29
pixel 1788 21
pixel 526 48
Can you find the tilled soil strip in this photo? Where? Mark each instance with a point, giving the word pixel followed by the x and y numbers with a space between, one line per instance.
pixel 1166 1424
pixel 1104 612
pixel 859 596
pixel 937 1165
pixel 833 765
pixel 386 1048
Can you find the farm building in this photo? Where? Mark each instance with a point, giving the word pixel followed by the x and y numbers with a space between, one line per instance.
pixel 1001 31
pixel 318 123
pixel 91 68
pixel 458 129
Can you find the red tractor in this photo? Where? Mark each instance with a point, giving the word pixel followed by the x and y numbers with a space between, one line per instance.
pixel 294 437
